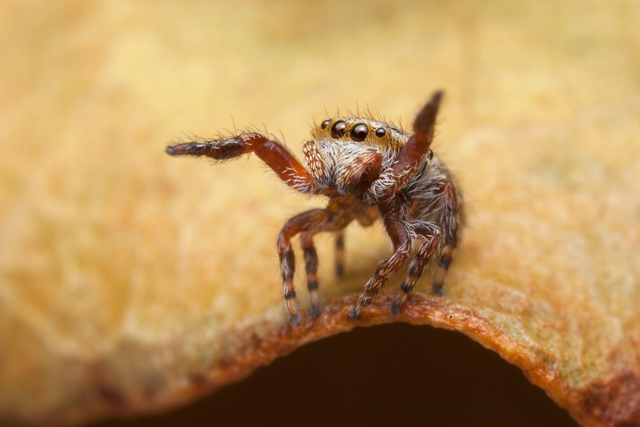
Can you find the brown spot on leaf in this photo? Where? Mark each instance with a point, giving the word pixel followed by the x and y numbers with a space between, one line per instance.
pixel 111 395
pixel 615 402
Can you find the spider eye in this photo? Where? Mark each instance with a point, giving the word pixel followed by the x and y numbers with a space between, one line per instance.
pixel 430 155
pixel 359 132
pixel 325 123
pixel 380 132
pixel 338 129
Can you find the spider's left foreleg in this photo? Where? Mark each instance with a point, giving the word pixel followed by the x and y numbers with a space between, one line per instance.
pixel 431 233
pixel 401 240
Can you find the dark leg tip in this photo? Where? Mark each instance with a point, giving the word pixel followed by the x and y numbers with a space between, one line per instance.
pixel 437 290
pixel 316 310
pixel 294 319
pixel 397 303
pixel 354 313
pixel 170 150
pixel 394 310
pixel 339 270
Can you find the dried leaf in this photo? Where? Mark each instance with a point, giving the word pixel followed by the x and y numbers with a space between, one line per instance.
pixel 132 282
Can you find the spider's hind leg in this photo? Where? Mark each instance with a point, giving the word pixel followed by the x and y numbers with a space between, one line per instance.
pixel 452 217
pixel 339 260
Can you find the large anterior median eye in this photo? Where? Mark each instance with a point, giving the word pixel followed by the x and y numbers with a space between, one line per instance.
pixel 359 132
pixel 338 129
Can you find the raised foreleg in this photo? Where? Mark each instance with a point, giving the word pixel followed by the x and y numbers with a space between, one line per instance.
pixel 412 156
pixel 273 153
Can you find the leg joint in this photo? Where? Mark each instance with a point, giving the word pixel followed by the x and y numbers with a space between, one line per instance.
pixel 445 261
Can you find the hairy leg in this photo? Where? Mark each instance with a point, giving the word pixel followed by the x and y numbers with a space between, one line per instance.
pixel 273 153
pixel 310 221
pixel 450 229
pixel 412 156
pixel 431 233
pixel 339 260
pixel 311 267
pixel 396 228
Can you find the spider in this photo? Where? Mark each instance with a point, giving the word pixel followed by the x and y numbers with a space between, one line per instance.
pixel 369 170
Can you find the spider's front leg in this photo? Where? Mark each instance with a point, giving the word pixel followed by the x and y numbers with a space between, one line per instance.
pixel 431 233
pixel 411 157
pixel 308 224
pixel 396 226
pixel 273 153
pixel 384 190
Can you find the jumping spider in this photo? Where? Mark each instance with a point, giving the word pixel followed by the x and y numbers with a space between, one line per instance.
pixel 368 170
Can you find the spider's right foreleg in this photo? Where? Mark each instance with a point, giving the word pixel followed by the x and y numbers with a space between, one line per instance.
pixel 412 155
pixel 311 267
pixel 308 223
pixel 274 154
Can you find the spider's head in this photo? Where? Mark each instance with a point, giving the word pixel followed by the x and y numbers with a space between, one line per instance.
pixel 360 131
pixel 347 153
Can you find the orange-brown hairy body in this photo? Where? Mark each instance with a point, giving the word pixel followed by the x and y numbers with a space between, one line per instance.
pixel 369 170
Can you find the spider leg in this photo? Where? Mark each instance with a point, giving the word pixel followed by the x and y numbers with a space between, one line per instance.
pixel 412 155
pixel 401 241
pixel 451 218
pixel 431 233
pixel 309 222
pixel 366 218
pixel 273 153
pixel 339 259
pixel 311 266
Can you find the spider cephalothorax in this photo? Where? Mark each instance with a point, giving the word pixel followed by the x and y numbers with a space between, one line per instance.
pixel 368 170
